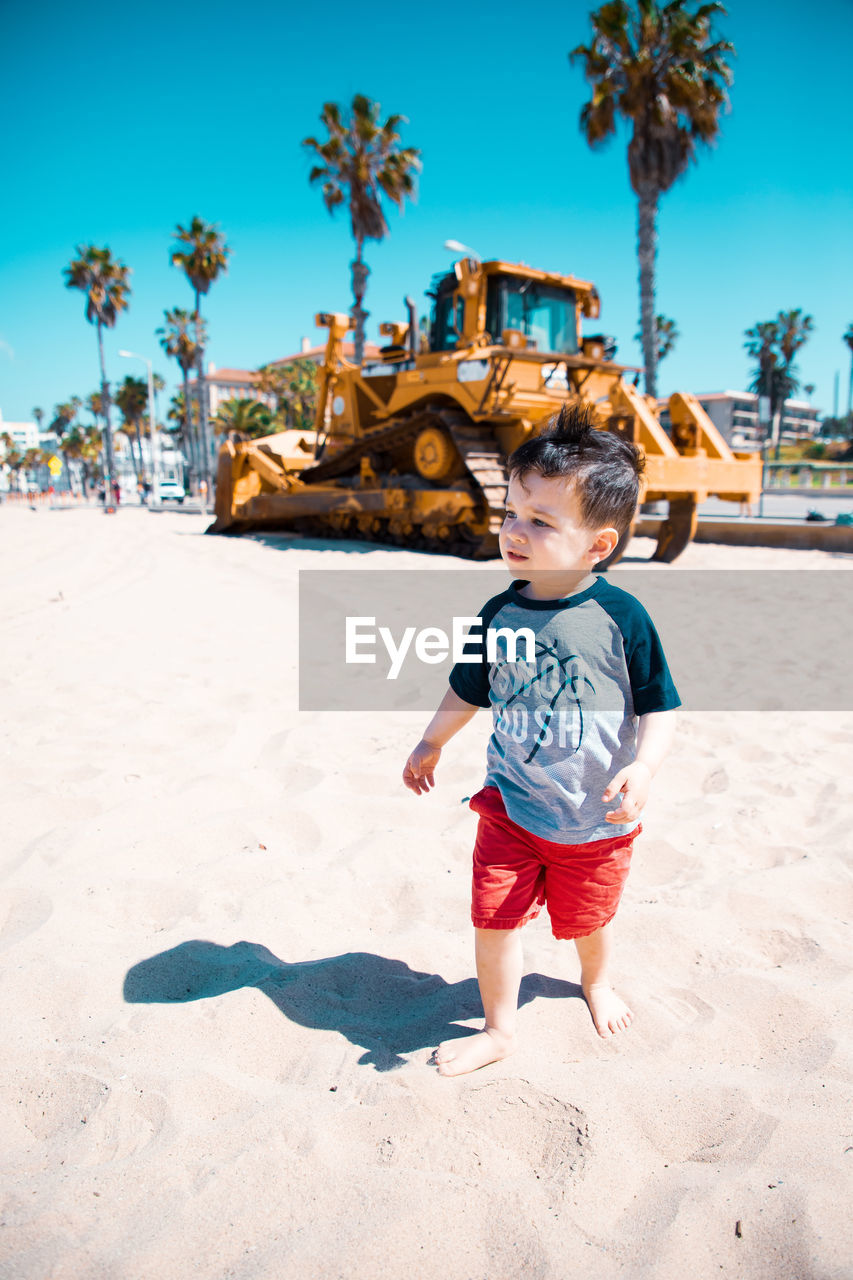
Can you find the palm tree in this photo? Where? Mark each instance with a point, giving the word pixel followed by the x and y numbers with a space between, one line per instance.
pixel 177 341
pixel 94 404
pixel 848 338
pixel 180 431
pixel 64 416
pixel 205 256
pixel 90 452
pixel 773 345
pixel 72 448
pixel 32 462
pixel 361 162
pixel 666 336
pixel 760 346
pixel 793 328
pixel 250 418
pixel 9 453
pixel 132 401
pixel 14 461
pixel 294 386
pixel 660 68
pixel 105 283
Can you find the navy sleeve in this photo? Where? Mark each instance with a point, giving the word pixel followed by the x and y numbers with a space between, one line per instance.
pixel 652 687
pixel 470 680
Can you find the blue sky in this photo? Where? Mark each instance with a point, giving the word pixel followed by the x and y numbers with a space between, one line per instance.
pixel 130 120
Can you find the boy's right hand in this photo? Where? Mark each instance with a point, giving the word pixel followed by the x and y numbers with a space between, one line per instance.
pixel 418 774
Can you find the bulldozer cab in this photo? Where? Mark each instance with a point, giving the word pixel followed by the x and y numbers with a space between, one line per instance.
pixel 488 302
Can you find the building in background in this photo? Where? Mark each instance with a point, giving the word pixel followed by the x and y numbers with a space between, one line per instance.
pixel 171 462
pixel 244 384
pixel 229 384
pixel 25 435
pixel 307 352
pixel 735 415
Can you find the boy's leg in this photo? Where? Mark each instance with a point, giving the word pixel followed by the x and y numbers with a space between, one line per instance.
pixel 609 1013
pixel 499 966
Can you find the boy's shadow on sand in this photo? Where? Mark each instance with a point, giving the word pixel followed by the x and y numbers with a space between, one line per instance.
pixel 380 1005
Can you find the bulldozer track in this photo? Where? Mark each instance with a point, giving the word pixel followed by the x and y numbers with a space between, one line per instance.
pixel 478 450
pixel 485 465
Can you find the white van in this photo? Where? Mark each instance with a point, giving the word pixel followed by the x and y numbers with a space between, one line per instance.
pixel 171 489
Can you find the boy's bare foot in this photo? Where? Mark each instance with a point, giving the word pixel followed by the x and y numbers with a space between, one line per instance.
pixel 456 1057
pixel 609 1013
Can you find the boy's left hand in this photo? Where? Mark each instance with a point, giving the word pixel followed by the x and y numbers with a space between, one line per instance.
pixel 633 781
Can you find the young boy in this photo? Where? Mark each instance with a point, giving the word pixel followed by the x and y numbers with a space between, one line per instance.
pixel 583 707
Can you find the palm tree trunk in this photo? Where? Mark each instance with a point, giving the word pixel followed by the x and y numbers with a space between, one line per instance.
pixel 202 399
pixel 850 387
pixel 188 428
pixel 108 434
pixel 360 272
pixel 646 253
pixel 141 472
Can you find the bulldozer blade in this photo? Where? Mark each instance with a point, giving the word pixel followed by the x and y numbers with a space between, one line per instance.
pixel 677 529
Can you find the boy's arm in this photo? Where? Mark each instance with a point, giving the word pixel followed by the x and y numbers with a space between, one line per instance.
pixel 654 739
pixel 655 736
pixel 452 715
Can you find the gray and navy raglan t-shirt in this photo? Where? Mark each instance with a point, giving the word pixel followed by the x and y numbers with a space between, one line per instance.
pixel 566 680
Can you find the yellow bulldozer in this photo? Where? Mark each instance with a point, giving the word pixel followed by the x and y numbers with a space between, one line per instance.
pixel 409 448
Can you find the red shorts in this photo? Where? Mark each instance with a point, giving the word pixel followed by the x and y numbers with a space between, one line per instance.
pixel 516 872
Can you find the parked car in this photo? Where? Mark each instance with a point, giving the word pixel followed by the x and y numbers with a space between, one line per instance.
pixel 172 489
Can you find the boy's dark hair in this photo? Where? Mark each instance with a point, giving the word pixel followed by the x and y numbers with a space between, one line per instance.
pixel 605 467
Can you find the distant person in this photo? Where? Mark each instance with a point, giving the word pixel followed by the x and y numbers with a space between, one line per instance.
pixel 116 492
pixel 584 719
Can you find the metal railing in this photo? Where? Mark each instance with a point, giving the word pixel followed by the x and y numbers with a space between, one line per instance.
pixel 808 475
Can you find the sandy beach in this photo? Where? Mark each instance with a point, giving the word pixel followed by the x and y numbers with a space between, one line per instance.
pixel 231 941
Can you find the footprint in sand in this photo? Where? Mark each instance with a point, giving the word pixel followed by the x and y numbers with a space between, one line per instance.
pixel 684 1006
pixel 549 1136
pixel 103 1123
pixel 299 777
pixel 27 912
pixel 122 1126
pixel 708 1125
pixel 715 782
pixel 50 845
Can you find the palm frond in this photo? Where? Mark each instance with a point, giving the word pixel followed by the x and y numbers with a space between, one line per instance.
pixel 661 68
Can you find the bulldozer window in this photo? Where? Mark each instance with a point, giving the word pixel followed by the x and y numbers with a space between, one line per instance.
pixel 545 313
pixel 443 335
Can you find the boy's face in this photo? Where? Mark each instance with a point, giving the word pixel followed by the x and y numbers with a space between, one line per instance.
pixel 542 531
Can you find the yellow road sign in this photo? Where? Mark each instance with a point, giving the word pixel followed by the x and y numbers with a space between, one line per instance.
pixel 54 465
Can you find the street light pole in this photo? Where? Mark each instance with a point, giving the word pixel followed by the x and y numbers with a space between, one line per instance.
pixel 152 418
pixel 455 247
